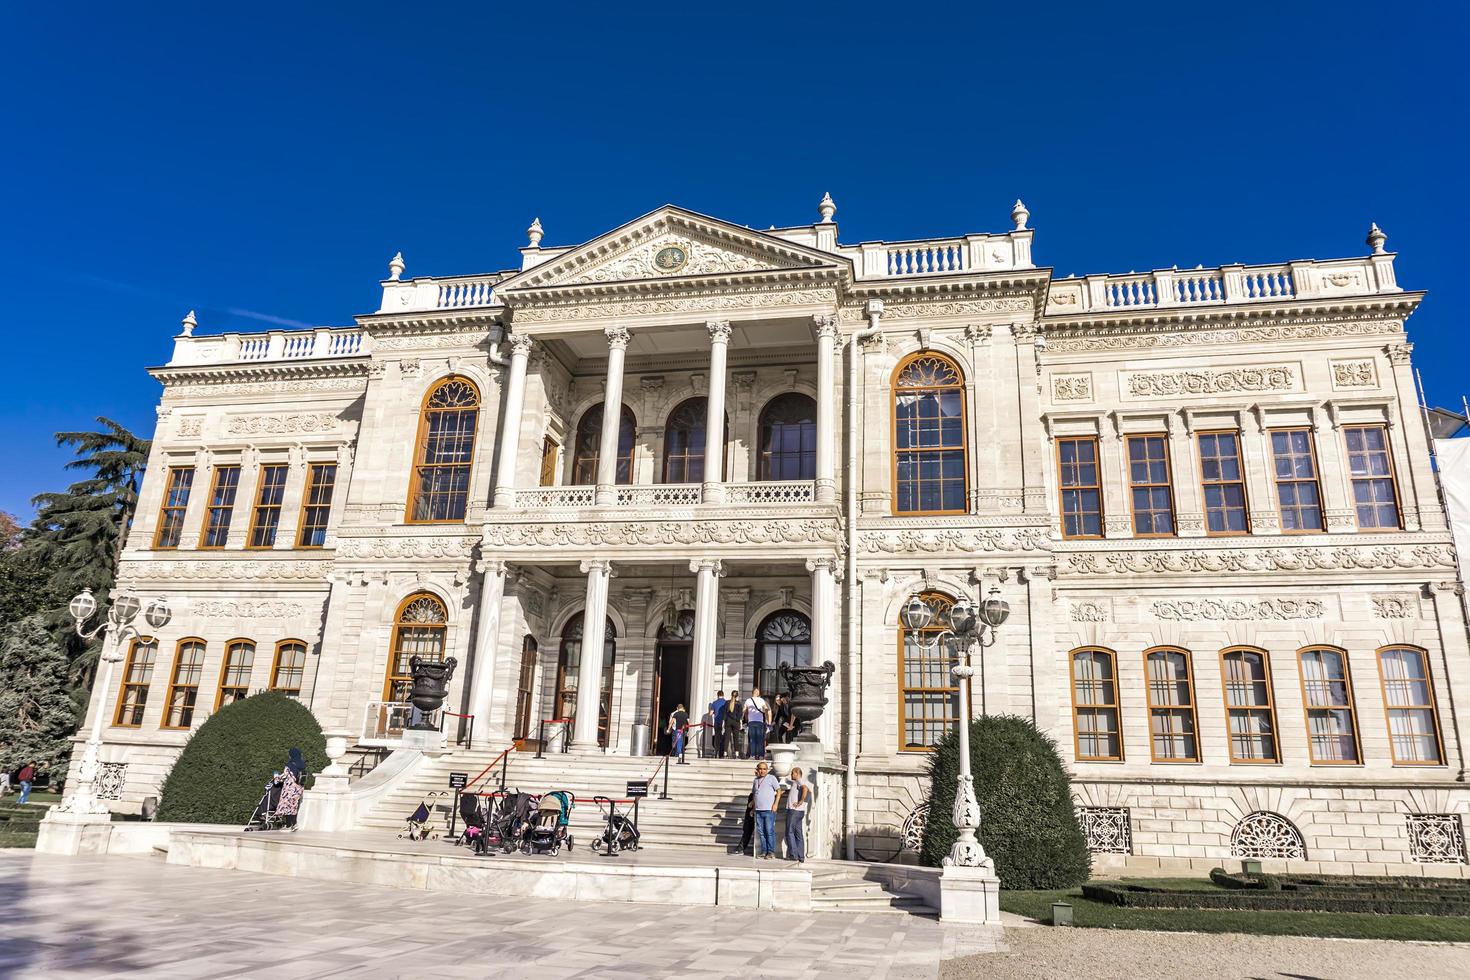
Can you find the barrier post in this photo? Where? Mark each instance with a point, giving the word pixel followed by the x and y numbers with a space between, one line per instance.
pixel 541 742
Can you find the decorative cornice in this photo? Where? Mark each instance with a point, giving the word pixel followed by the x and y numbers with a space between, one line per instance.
pixel 400 548
pixel 958 540
pixel 225 570
pixel 275 372
pixel 639 534
pixel 1296 559
pixel 1142 319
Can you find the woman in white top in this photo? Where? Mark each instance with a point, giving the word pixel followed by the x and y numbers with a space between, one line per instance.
pixel 798 795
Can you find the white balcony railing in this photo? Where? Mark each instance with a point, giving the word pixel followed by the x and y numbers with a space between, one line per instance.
pixel 450 293
pixel 271 346
pixel 774 492
pixel 659 495
pixel 556 498
pixel 667 495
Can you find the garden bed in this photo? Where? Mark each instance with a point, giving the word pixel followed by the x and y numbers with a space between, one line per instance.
pixel 1294 893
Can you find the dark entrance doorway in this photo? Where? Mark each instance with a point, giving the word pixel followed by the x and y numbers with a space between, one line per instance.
pixel 671 676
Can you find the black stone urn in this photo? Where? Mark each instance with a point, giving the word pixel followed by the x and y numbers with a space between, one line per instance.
pixel 430 688
pixel 807 688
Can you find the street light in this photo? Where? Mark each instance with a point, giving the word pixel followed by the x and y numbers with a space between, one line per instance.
pixel 972 625
pixel 124 610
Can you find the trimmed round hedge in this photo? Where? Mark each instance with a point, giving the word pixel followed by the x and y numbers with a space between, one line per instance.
pixel 1027 823
pixel 223 769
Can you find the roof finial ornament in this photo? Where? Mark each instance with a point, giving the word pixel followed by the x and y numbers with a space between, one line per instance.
pixel 395 267
pixel 827 208
pixel 1019 215
pixel 1376 238
pixel 189 324
pixel 534 233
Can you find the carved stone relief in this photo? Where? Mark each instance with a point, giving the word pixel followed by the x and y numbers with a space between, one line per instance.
pixel 1206 381
pixel 1237 609
pixel 1354 374
pixel 249 425
pixel 1261 560
pixel 1071 388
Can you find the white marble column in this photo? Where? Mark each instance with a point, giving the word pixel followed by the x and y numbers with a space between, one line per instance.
pixel 589 672
pixel 612 417
pixel 487 644
pixel 708 572
pixel 826 409
pixel 824 640
pixel 714 418
pixel 510 421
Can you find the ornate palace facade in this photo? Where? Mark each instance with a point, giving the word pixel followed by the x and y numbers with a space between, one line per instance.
pixel 1206 495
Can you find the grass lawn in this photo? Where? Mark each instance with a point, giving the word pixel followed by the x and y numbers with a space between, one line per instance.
pixel 1353 925
pixel 18 825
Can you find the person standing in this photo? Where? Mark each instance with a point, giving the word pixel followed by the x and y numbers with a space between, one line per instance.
pixel 781 719
pixel 757 716
pixel 732 726
pixel 765 788
pixel 678 727
pixel 25 777
pixel 798 795
pixel 717 709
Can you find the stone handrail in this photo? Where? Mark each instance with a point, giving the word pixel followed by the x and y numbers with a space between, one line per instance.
pixel 772 492
pixel 556 498
pixel 942 256
pixel 666 495
pixel 659 495
pixel 273 345
pixel 448 293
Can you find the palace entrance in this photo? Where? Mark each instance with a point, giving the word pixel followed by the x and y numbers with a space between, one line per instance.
pixel 671 659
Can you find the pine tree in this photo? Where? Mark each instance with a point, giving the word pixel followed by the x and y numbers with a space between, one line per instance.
pixel 34 701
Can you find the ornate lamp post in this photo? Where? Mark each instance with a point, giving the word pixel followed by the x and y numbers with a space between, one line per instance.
pixel 973 626
pixel 83 800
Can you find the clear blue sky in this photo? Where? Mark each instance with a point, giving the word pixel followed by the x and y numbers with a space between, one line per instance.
pixel 268 165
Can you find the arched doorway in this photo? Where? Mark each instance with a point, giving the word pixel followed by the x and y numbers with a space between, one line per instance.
pixel 671 675
pixel 567 664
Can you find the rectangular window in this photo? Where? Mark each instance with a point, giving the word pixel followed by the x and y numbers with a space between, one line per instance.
pixel 1171 707
pixel 175 504
pixel 1408 694
pixel 1371 470
pixel 1222 478
pixel 132 699
pixel 1095 707
pixel 183 687
pixel 316 504
pixel 221 507
pixel 929 703
pixel 268 497
pixel 1249 710
pixel 1298 495
pixel 1080 480
pixel 234 676
pixel 1332 725
pixel 548 463
pixel 1148 477
pixel 289 668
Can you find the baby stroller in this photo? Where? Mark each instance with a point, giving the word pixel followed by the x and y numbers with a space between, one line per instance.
pixel 508 822
pixel 475 810
pixel 264 817
pixel 547 831
pixel 417 827
pixel 620 833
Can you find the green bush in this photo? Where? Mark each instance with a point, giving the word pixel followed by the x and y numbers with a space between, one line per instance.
pixel 224 767
pixel 1258 882
pixel 1374 899
pixel 1027 823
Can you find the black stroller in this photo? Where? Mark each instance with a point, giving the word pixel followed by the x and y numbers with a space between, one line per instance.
pixel 547 831
pixel 264 817
pixel 475 811
pixel 619 834
pixel 509 820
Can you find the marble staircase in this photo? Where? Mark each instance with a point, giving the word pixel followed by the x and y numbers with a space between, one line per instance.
pixel 845 887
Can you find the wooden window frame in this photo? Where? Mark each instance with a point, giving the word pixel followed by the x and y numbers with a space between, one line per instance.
pixel 224 671
pixel 398 627
pixel 1078 707
pixel 257 509
pixel 1432 707
pixel 724 462
pixel 174 686
pixel 1316 479
pixel 415 478
pixel 124 686
pixel 1193 705
pixel 1269 708
pixel 308 505
pixel 212 507
pixel 580 459
pixel 1204 484
pixel 275 682
pixel 167 509
pixel 1351 706
pixel 1393 480
pixel 1168 483
pixel 763 453
pixel 963 449
pixel 525 687
pixel 549 447
pixel 1062 488
pixel 958 688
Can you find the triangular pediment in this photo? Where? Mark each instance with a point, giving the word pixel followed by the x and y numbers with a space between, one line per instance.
pixel 670 243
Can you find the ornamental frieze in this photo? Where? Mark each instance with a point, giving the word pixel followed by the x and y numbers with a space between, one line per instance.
pixel 466 339
pixel 742 300
pixel 1354 374
pixel 1244 335
pixel 230 609
pixel 1185 610
pixel 252 425
pixel 1158 384
pixel 227 571
pixel 1261 560
pixel 966 541
pixel 286 386
pixel 397 548
pixel 1071 388
pixel 1388 606
pixel 899 309
pixel 645 533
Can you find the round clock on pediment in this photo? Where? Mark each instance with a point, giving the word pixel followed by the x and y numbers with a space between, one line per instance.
pixel 671 258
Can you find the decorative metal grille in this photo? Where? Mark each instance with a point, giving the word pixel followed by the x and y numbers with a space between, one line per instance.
pixel 1108 829
pixel 426 609
pixel 110 779
pixel 913 827
pixel 1266 835
pixel 1436 838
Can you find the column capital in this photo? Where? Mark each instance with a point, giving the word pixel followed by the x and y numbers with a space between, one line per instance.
pixel 826 325
pixel 521 344
pixel 1399 353
pixel 715 565
pixel 590 565
pixel 491 566
pixel 719 331
pixel 617 337
pixel 830 564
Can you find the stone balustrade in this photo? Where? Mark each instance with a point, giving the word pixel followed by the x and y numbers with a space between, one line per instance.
pixel 449 293
pixel 774 492
pixel 272 346
pixel 941 256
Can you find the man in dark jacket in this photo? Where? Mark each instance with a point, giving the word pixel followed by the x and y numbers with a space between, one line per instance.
pixel 25 777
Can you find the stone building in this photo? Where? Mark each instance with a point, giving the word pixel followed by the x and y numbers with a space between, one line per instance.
pixel 1206 495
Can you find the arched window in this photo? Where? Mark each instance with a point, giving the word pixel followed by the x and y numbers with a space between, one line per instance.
pixel 929 695
pixel 1250 708
pixel 444 452
pixel 1095 717
pixel 783 637
pixel 1264 834
pixel 589 441
pixel 132 697
pixel 570 661
pixel 929 436
pixel 1408 694
pixel 234 674
pixel 183 685
pixel 289 668
pixel 418 630
pixel 788 439
pixel 1171 720
pixel 684 443
pixel 1327 691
